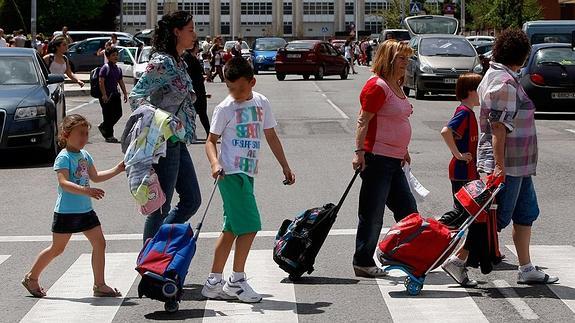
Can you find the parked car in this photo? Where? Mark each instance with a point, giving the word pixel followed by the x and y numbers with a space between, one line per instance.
pixel 483 48
pixel 78 35
pixel 32 102
pixel 246 52
pixel 549 31
pixel 437 63
pixel 145 36
pixel 264 53
pixel 398 34
pixel 481 40
pixel 126 60
pixel 338 44
pixel 310 57
pixel 549 77
pixel 83 55
pixel 485 59
pixel 430 24
pixel 142 62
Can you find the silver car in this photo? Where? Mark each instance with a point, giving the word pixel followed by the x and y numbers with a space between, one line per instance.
pixel 437 62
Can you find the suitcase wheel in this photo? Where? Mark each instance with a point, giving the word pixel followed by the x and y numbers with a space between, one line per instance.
pixel 169 289
pixel 171 306
pixel 413 288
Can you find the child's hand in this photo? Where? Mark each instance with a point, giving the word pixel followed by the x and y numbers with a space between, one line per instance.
pixel 217 171
pixel 289 176
pixel 466 157
pixel 121 166
pixel 95 193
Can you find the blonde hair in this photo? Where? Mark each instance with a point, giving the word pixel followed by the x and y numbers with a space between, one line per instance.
pixel 385 55
pixel 68 124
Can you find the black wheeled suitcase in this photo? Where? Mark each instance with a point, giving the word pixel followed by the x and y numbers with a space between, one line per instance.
pixel 298 241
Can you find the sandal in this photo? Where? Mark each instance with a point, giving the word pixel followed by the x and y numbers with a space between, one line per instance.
pixel 112 293
pixel 38 292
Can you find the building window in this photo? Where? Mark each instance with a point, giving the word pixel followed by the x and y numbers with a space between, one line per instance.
pixel 160 9
pixel 287 28
pixel 225 28
pixel 373 8
pixel 318 8
pixel 287 8
pixel 197 9
pixel 225 8
pixel 349 8
pixel 134 8
pixel 257 8
pixel 375 27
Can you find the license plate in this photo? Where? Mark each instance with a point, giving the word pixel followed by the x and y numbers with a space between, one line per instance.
pixel 449 81
pixel 271 68
pixel 563 95
pixel 293 55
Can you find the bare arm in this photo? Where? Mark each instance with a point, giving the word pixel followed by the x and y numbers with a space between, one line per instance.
pixel 102 85
pixel 449 139
pixel 278 151
pixel 361 133
pixel 212 153
pixel 98 177
pixel 499 136
pixel 123 87
pixel 64 174
pixel 72 76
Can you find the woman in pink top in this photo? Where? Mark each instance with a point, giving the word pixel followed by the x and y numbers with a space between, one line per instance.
pixel 383 134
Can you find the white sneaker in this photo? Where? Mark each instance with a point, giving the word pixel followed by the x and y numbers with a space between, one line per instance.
pixel 242 290
pixel 215 291
pixel 369 272
pixel 535 276
pixel 458 273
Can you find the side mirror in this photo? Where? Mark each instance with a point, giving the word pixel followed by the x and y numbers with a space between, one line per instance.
pixel 55 78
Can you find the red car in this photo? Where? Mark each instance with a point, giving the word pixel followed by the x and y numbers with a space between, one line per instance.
pixel 310 57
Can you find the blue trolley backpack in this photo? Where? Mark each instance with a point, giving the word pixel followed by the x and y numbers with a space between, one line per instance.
pixel 298 241
pixel 164 261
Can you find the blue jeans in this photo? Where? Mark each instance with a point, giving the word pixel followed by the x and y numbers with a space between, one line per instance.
pixel 383 183
pixel 517 201
pixel 175 172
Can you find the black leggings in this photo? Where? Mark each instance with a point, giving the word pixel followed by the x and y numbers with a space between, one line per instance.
pixel 201 106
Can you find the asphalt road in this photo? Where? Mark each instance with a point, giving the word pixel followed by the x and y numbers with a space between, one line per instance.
pixel 316 125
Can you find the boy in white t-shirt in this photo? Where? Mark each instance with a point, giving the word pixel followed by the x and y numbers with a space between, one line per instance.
pixel 241 120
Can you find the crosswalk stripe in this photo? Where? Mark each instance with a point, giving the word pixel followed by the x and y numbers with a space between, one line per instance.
pixel 278 304
pixel 559 260
pixel 3 258
pixel 438 301
pixel 513 298
pixel 70 298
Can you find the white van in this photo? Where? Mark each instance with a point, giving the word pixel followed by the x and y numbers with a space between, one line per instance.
pixel 549 31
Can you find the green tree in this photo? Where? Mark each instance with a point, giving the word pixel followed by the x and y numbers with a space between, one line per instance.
pixel 392 16
pixel 502 14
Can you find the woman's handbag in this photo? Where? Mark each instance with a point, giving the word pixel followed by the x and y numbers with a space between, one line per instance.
pixel 156 196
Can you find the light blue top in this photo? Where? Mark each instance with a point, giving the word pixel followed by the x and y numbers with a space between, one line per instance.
pixel 166 85
pixel 77 164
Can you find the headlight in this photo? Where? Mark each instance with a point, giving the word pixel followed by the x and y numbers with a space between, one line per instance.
pixel 425 68
pixel 30 112
pixel 478 69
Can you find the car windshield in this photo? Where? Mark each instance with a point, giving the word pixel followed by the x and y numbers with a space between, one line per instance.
pixel 432 25
pixel 398 34
pixel 269 44
pixel 300 45
pixel 145 55
pixel 563 56
pixel 230 44
pixel 550 38
pixel 446 47
pixel 17 71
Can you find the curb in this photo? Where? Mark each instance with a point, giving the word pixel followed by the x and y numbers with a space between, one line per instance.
pixel 82 92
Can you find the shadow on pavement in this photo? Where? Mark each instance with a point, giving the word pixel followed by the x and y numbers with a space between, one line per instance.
pixel 554 116
pixel 96 301
pixel 20 159
pixel 180 315
pixel 311 280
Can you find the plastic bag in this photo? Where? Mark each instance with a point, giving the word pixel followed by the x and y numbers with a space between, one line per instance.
pixel 419 192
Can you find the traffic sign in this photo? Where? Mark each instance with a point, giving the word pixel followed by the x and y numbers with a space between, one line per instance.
pixel 324 30
pixel 414 8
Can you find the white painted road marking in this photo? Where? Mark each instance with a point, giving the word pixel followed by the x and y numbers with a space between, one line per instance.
pixel 83 105
pixel 511 296
pixel 70 298
pixel 138 236
pixel 3 258
pixel 264 275
pixel 438 301
pixel 559 260
pixel 330 102
pixel 570 130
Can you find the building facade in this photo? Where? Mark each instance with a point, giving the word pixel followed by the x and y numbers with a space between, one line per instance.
pixel 257 18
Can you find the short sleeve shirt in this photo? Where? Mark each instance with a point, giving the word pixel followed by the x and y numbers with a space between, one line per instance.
pixel 463 124
pixel 241 127
pixel 77 164
pixel 111 74
pixel 389 131
pixel 503 99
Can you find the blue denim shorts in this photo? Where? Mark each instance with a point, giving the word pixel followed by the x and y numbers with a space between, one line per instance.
pixel 517 201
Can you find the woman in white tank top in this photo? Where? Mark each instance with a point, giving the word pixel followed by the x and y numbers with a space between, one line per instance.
pixel 57 61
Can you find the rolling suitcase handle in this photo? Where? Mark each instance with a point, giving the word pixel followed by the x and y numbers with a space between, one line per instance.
pixel 199 227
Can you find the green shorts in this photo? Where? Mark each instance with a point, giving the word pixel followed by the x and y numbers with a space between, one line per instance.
pixel 241 213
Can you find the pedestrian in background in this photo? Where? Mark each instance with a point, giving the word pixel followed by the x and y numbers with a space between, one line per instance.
pixel 2 40
pixel 218 59
pixel 508 146
pixel 67 35
pixel 348 54
pixel 112 42
pixel 382 137
pixel 73 212
pixel 166 85
pixel 111 102
pixel 195 70
pixel 57 62
pixel 19 38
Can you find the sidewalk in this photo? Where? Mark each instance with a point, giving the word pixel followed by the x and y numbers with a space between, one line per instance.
pixel 73 89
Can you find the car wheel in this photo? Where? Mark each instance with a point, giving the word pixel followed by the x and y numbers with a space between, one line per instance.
pixel 345 73
pixel 319 74
pixel 406 90
pixel 419 94
pixel 306 76
pixel 280 76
